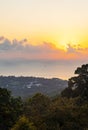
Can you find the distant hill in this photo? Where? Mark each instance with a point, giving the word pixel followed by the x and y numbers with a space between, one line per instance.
pixel 28 86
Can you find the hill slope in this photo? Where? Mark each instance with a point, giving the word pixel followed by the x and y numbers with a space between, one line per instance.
pixel 27 86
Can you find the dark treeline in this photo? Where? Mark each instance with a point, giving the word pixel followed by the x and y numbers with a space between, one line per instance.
pixel 68 111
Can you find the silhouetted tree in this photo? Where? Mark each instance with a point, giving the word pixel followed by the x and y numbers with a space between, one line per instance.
pixel 78 86
pixel 10 109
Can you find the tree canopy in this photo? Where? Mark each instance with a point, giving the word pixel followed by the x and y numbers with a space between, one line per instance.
pixel 10 109
pixel 78 85
pixel 68 111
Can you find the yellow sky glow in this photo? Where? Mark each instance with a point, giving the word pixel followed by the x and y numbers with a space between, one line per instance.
pixel 58 22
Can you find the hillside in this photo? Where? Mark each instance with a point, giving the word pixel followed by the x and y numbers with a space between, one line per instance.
pixel 28 86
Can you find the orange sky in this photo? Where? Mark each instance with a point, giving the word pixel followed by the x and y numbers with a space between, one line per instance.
pixel 54 30
pixel 57 21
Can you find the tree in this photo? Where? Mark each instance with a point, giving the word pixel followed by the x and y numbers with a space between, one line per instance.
pixel 78 86
pixel 36 109
pixel 10 109
pixel 23 124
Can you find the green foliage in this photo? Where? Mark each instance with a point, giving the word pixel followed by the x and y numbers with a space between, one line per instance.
pixel 59 114
pixel 66 112
pixel 10 109
pixel 23 124
pixel 35 108
pixel 4 96
pixel 42 113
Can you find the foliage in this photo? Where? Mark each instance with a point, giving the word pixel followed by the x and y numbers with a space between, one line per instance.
pixel 23 124
pixel 59 114
pixel 10 109
pixel 78 86
pixel 35 108
pixel 68 111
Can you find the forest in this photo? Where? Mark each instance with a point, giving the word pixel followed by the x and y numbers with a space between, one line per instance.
pixel 65 111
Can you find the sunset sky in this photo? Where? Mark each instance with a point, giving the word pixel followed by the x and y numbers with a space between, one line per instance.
pixel 44 38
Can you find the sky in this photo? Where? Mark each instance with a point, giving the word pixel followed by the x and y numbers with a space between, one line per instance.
pixel 43 38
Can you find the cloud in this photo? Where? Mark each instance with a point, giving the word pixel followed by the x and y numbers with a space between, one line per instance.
pixel 70 49
pixel 1 38
pixel 23 58
pixel 46 51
